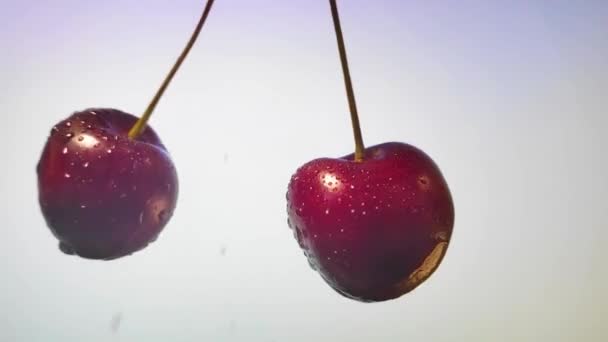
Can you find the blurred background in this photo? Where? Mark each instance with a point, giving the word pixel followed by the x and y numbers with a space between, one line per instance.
pixel 508 97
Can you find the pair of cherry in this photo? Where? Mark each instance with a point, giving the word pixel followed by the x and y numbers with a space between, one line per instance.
pixel 375 224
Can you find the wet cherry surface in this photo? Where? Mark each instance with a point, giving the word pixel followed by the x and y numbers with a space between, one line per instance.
pixel 102 194
pixel 374 229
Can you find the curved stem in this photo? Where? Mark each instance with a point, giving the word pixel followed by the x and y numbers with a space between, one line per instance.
pixel 359 147
pixel 140 125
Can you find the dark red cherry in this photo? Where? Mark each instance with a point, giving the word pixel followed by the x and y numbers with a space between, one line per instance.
pixel 107 186
pixel 105 195
pixel 374 229
pixel 375 223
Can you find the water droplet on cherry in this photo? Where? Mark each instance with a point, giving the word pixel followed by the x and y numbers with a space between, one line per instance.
pixel 163 215
pixel 66 248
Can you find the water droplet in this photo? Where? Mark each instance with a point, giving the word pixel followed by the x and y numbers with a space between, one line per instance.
pixel 83 206
pixel 342 230
pixel 364 213
pixel 352 186
pixel 68 124
pixel 163 215
pixel 85 165
pixel 65 150
pixel 109 151
pixel 363 204
pixel 141 217
pixel 115 322
pixel 66 248
pixel 352 211
pixel 297 233
pixel 92 113
pixel 326 211
pixel 69 135
pixel 441 236
pixel 67 175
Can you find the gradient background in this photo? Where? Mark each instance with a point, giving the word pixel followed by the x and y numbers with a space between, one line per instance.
pixel 509 98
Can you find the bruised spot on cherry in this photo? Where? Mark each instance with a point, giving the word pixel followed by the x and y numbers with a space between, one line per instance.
pixel 107 186
pixel 377 223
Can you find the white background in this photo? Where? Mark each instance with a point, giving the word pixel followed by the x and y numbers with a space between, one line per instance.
pixel 509 99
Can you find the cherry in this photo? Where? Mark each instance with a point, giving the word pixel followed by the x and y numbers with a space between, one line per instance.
pixel 374 229
pixel 107 185
pixel 375 224
pixel 103 194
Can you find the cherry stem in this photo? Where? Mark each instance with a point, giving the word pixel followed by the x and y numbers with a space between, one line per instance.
pixel 354 116
pixel 140 125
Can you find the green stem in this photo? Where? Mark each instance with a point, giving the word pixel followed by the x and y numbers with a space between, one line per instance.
pixel 140 125
pixel 359 147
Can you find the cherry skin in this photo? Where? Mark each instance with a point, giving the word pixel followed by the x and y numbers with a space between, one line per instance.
pixel 374 229
pixel 105 195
